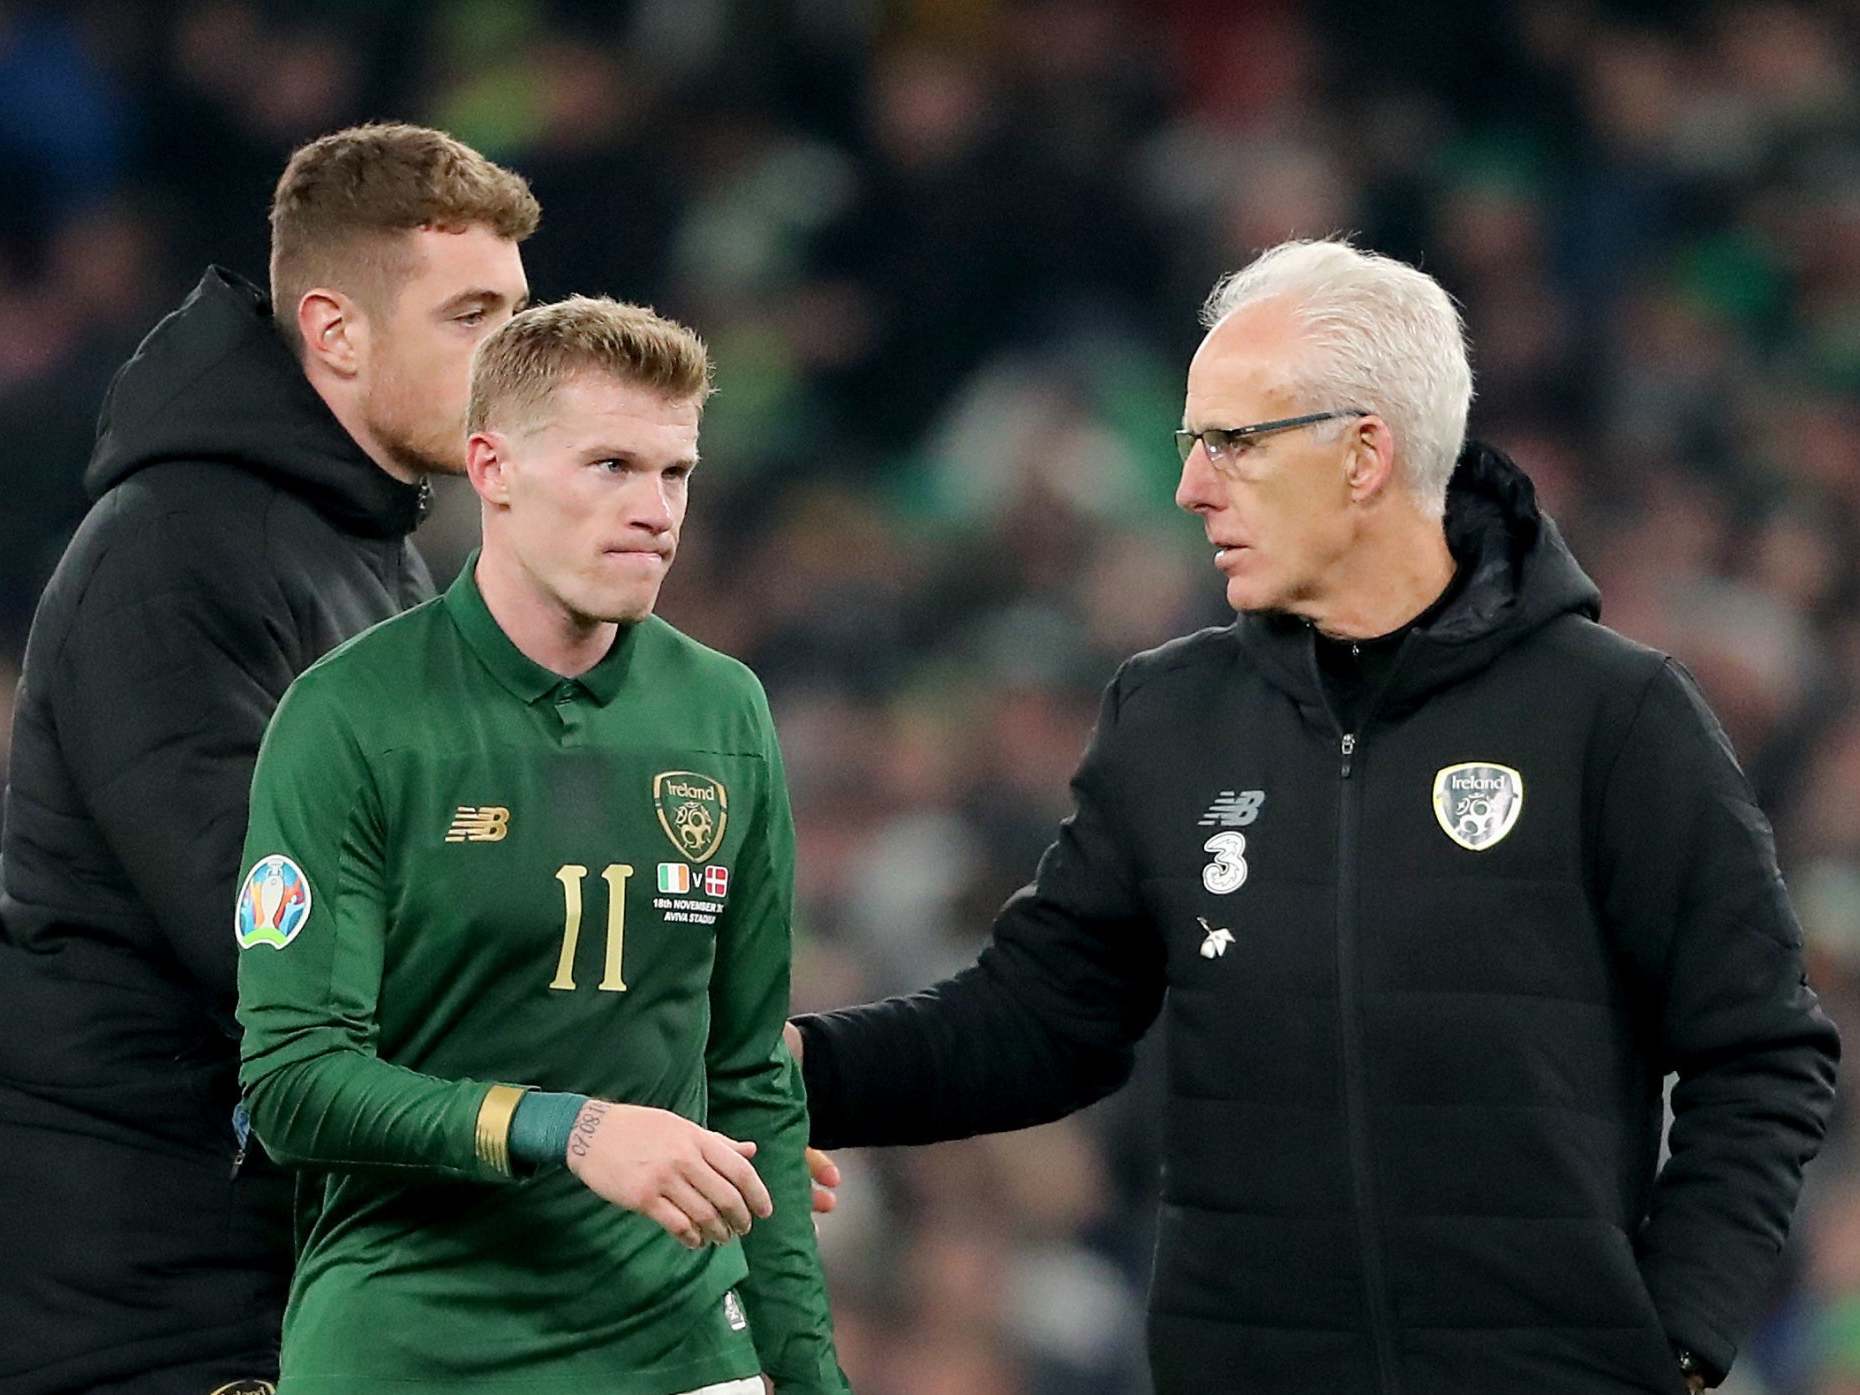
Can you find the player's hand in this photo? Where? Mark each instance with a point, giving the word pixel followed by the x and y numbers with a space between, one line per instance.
pixel 698 1184
pixel 826 1176
pixel 792 1035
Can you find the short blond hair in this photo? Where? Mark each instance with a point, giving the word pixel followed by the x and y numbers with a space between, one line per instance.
pixel 345 199
pixel 519 367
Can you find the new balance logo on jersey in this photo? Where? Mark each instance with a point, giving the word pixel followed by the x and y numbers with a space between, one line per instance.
pixel 1216 944
pixel 479 823
pixel 1233 809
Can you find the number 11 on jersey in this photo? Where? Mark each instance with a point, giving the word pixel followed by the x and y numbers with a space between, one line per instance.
pixel 571 876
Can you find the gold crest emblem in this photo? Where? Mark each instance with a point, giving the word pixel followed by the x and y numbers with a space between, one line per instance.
pixel 693 810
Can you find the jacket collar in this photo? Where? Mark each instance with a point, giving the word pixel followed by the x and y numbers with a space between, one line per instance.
pixel 1518 576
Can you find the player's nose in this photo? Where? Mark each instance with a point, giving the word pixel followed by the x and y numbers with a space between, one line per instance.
pixel 652 508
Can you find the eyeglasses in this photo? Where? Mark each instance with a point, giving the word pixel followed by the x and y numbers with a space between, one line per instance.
pixel 1220 441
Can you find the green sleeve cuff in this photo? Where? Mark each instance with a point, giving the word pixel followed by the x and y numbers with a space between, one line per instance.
pixel 540 1128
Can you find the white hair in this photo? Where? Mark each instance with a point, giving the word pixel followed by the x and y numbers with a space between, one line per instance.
pixel 1384 338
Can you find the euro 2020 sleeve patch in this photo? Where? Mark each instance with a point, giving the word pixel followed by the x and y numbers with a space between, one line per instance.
pixel 274 903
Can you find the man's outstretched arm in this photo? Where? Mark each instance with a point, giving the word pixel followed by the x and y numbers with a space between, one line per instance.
pixel 1046 1020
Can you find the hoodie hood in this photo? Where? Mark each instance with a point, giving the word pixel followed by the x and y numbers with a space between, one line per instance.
pixel 1519 576
pixel 214 382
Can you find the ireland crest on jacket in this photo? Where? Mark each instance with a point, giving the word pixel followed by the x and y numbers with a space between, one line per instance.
pixel 1477 803
pixel 693 810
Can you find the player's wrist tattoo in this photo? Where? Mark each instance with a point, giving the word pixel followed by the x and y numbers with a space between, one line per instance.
pixel 582 1138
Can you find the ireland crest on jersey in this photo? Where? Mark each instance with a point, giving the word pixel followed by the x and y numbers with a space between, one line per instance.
pixel 693 810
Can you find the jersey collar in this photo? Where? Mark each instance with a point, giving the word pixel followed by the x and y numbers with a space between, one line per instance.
pixel 522 675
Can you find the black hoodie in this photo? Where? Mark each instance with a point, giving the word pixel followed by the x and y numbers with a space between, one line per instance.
pixel 1423 980
pixel 238 533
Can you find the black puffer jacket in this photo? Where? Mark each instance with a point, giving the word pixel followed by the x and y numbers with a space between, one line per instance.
pixel 1423 981
pixel 238 534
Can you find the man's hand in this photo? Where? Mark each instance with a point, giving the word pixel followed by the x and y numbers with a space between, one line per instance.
pixel 792 1035
pixel 699 1185
pixel 826 1175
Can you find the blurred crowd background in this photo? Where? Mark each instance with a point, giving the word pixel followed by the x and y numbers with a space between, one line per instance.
pixel 948 255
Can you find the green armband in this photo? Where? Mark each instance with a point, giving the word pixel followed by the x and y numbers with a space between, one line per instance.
pixel 540 1128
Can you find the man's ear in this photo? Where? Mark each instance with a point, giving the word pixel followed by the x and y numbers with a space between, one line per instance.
pixel 1370 470
pixel 334 331
pixel 487 465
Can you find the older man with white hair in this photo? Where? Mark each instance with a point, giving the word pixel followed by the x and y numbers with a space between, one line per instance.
pixel 1436 880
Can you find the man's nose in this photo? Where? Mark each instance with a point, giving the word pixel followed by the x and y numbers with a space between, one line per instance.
pixel 653 507
pixel 1198 488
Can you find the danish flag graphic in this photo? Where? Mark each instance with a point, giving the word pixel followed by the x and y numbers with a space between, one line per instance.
pixel 716 881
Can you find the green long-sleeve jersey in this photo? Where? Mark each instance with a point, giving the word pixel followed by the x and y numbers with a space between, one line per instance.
pixel 470 874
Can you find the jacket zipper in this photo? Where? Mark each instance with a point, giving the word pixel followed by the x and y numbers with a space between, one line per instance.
pixel 1355 1107
pixel 1356 1120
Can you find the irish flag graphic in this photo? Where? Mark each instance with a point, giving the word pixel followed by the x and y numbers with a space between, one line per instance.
pixel 674 877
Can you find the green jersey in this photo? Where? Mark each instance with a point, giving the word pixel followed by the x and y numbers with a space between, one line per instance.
pixel 469 874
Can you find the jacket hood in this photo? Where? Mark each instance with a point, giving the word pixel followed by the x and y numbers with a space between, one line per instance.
pixel 1519 575
pixel 214 382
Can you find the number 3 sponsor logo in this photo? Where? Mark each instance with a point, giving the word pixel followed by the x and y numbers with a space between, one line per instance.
pixel 1228 870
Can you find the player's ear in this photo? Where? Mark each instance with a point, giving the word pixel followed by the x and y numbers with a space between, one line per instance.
pixel 487 457
pixel 333 330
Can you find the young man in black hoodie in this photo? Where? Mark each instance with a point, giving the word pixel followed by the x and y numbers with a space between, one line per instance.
pixel 260 464
pixel 1436 880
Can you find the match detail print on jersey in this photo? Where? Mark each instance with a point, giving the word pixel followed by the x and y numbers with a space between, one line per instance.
pixel 1477 803
pixel 274 903
pixel 693 810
